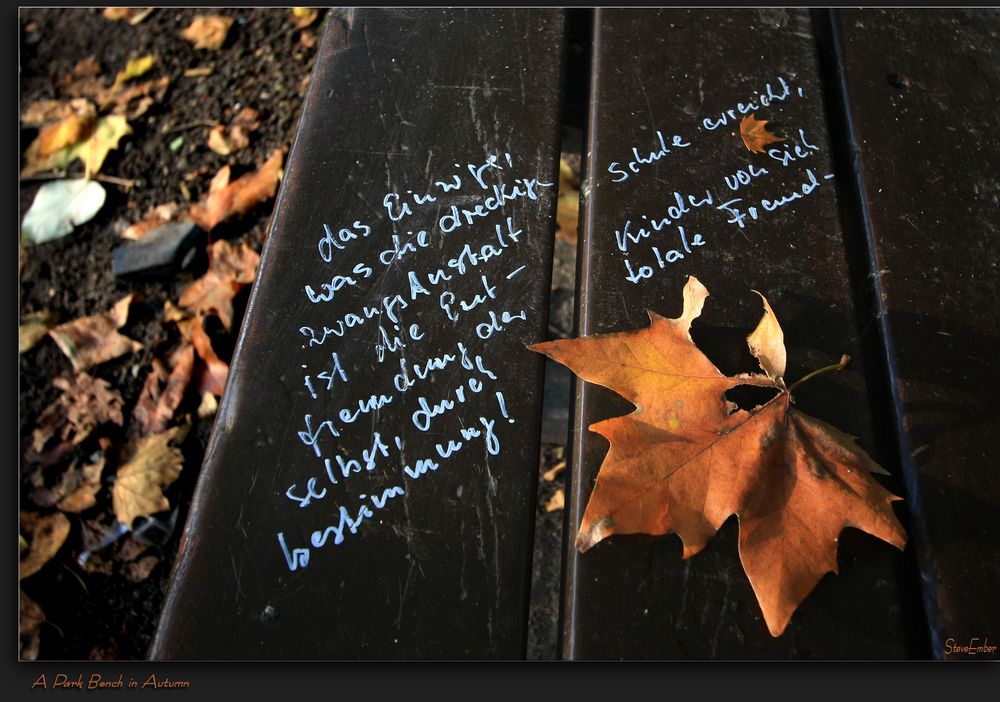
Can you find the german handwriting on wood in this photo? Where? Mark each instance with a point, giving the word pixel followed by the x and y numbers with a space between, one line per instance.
pixel 474 292
pixel 744 199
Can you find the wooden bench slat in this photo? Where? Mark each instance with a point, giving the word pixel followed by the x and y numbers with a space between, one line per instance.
pixel 922 87
pixel 402 101
pixel 657 74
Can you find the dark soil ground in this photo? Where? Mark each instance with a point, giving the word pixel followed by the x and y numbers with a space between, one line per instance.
pixel 98 612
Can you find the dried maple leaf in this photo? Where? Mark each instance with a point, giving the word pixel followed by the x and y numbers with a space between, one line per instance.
pixel 85 404
pixel 89 341
pixel 687 459
pixel 164 390
pixel 48 534
pixel 230 269
pixel 755 135
pixel 150 465
pixel 208 31
pixel 239 196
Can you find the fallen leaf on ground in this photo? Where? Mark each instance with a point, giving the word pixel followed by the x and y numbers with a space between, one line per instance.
pixel 65 132
pixel 139 570
pixel 568 206
pixel 143 95
pixel 42 112
pixel 31 620
pixel 131 548
pixel 86 403
pixel 755 135
pixel 687 459
pixel 33 328
pixel 89 341
pixel 81 490
pixel 59 206
pixel 151 464
pixel 230 268
pixel 208 31
pixel 154 217
pixel 84 81
pixel 302 17
pixel 225 140
pixel 209 405
pixel 92 150
pixel 239 196
pixel 199 71
pixel 213 371
pixel 46 536
pixel 557 501
pixel 132 15
pixel 164 389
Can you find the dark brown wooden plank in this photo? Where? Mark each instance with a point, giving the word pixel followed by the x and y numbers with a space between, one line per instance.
pixel 922 88
pixel 411 554
pixel 663 73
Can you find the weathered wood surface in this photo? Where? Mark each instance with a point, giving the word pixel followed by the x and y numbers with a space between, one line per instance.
pixel 401 563
pixel 672 73
pixel 922 88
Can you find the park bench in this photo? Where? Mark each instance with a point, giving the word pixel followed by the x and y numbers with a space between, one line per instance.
pixel 369 489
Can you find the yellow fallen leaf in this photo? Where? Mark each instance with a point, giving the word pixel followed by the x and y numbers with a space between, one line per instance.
pixel 66 132
pixel 550 475
pixel 48 534
pixel 208 31
pixel 135 68
pixel 34 326
pixel 302 17
pixel 151 464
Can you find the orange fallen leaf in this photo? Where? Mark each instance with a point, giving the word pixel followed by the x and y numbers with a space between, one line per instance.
pixel 687 459
pixel 755 135
pixel 230 269
pixel 93 149
pixel 47 535
pixel 208 31
pixel 66 132
pixel 84 405
pixel 89 341
pixel 154 217
pixel 239 196
pixel 302 17
pixel 213 371
pixel 151 464
pixel 164 389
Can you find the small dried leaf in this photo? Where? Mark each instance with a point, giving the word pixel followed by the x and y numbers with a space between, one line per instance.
pixel 66 132
pixel 85 404
pixel 59 206
pixel 139 570
pixel 225 140
pixel 47 535
pixel 42 112
pixel 32 618
pixel 132 15
pixel 209 405
pixel 550 475
pixel 33 328
pixel 239 196
pixel 230 269
pixel 135 68
pixel 557 501
pixel 164 390
pixel 83 495
pixel 89 341
pixel 755 135
pixel 93 150
pixel 155 217
pixel 199 72
pixel 150 465
pixel 208 31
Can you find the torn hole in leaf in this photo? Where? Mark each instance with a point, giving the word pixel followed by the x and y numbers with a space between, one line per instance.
pixel 747 397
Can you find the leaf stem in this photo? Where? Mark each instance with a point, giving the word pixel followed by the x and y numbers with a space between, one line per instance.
pixel 844 360
pixel 123 182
